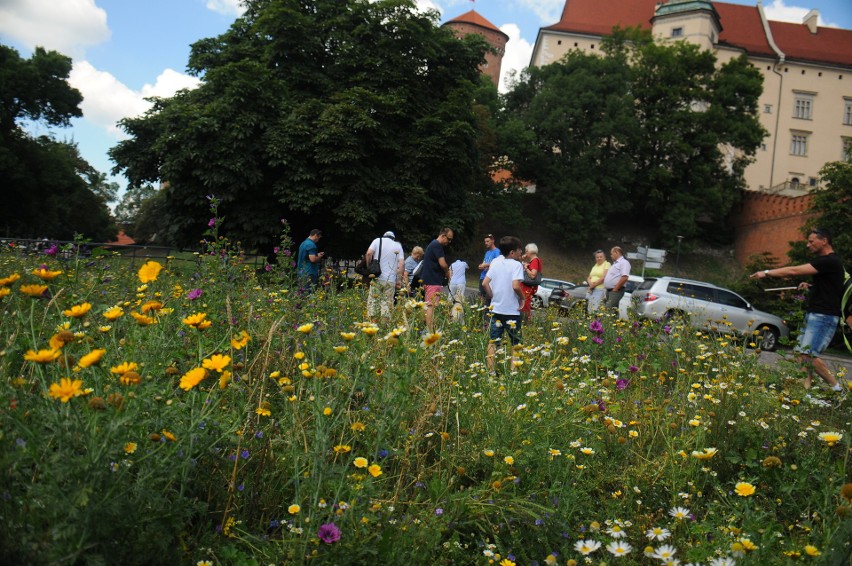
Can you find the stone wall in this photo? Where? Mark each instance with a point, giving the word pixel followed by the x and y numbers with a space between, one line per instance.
pixel 768 222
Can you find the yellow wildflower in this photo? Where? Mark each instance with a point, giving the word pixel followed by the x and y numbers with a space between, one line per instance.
pixel 149 271
pixel 192 378
pixel 360 462
pixel 130 447
pixel 113 313
pixel 45 274
pixel 198 321
pixel 240 340
pixel 92 358
pixel 375 470
pixel 6 281
pixel 306 328
pixel 34 291
pixel 78 311
pixel 216 362
pixel 744 489
pixel 124 368
pixel 143 320
pixel 66 389
pixel 42 356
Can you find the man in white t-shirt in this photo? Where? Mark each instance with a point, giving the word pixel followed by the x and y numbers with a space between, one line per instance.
pixel 392 261
pixel 502 284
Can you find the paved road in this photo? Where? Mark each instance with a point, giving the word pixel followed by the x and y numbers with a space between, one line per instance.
pixel 834 362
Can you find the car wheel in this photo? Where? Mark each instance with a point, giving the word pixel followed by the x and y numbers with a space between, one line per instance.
pixel 767 340
pixel 536 302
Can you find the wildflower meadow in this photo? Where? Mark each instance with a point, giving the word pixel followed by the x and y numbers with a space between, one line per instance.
pixel 208 413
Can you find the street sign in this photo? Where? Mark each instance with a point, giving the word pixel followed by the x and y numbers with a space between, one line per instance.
pixel 652 265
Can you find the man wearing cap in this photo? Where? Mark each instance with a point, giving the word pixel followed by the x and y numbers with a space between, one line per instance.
pixel 392 261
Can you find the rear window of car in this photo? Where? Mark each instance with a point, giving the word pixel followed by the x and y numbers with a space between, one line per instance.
pixel 646 284
pixel 691 290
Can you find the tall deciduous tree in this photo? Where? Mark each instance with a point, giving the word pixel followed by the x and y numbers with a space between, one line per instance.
pixel 647 130
pixel 351 115
pixel 831 205
pixel 51 191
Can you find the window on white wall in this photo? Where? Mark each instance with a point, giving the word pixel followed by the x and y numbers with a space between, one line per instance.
pixel 847 111
pixel 803 106
pixel 677 32
pixel 799 144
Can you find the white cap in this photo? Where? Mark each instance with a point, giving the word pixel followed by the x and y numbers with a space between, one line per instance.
pixel 390 235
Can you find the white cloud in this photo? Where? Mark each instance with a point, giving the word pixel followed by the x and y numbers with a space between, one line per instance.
pixel 106 100
pixel 548 11
pixel 781 12
pixel 517 56
pixel 66 26
pixel 423 5
pixel 227 7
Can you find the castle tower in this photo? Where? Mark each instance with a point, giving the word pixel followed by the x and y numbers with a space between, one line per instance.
pixel 471 22
pixel 696 21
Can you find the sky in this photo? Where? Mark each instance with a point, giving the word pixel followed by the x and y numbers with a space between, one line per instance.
pixel 127 50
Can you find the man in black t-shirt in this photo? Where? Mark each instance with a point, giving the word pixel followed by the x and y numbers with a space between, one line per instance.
pixel 822 313
pixel 435 271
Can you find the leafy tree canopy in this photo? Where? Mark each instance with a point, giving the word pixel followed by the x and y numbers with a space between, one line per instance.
pixel 51 191
pixel 352 116
pixel 653 131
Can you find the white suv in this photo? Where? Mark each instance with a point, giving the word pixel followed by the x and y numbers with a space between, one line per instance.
pixel 707 306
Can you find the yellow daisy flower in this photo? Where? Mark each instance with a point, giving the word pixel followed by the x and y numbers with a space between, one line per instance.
pixel 42 356
pixel 78 311
pixel 92 358
pixel 46 274
pixel 124 367
pixel 66 389
pixel 744 489
pixel 149 271
pixel 6 281
pixel 113 313
pixel 192 378
pixel 34 291
pixel 216 362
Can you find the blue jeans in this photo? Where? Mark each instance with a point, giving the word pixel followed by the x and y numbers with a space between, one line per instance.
pixel 817 332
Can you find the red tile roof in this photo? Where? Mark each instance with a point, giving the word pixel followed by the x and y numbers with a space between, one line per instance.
pixel 123 239
pixel 473 17
pixel 741 28
pixel 830 45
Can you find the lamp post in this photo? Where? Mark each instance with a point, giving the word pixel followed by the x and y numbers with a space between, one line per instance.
pixel 677 258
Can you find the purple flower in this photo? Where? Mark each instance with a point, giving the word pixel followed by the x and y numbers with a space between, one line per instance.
pixel 596 326
pixel 51 250
pixel 667 329
pixel 275 250
pixel 439 511
pixel 267 267
pixel 194 294
pixel 621 384
pixel 328 533
pixel 244 454
pixel 597 339
pixel 634 369
pixel 212 222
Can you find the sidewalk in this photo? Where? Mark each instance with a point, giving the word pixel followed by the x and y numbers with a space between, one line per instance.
pixel 834 361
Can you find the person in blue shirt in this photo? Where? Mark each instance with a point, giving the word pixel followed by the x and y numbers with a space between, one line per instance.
pixel 491 253
pixel 308 259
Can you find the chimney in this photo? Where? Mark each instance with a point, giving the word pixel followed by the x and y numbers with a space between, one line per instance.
pixel 811 20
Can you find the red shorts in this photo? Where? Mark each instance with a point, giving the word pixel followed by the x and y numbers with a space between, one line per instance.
pixel 433 294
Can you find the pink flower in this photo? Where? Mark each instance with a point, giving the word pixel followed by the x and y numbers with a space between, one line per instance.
pixel 194 294
pixel 212 222
pixel 328 533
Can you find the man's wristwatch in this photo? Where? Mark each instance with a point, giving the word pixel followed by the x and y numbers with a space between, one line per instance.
pixel 766 272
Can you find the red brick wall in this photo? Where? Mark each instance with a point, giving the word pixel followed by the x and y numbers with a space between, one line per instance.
pixel 496 40
pixel 767 223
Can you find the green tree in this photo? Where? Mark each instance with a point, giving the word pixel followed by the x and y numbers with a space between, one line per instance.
pixel 831 205
pixel 565 127
pixel 349 115
pixel 655 131
pixel 51 191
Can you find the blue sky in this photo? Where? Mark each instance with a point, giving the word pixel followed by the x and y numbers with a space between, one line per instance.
pixel 126 50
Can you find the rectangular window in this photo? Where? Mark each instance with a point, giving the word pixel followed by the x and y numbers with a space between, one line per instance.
pixel 803 106
pixel 767 109
pixel 677 32
pixel 845 148
pixel 847 111
pixel 799 144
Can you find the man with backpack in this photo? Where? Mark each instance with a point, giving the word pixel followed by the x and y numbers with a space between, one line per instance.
pixel 822 313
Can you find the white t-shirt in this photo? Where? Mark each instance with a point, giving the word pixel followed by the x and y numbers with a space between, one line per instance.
pixel 458 268
pixel 501 273
pixel 391 255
